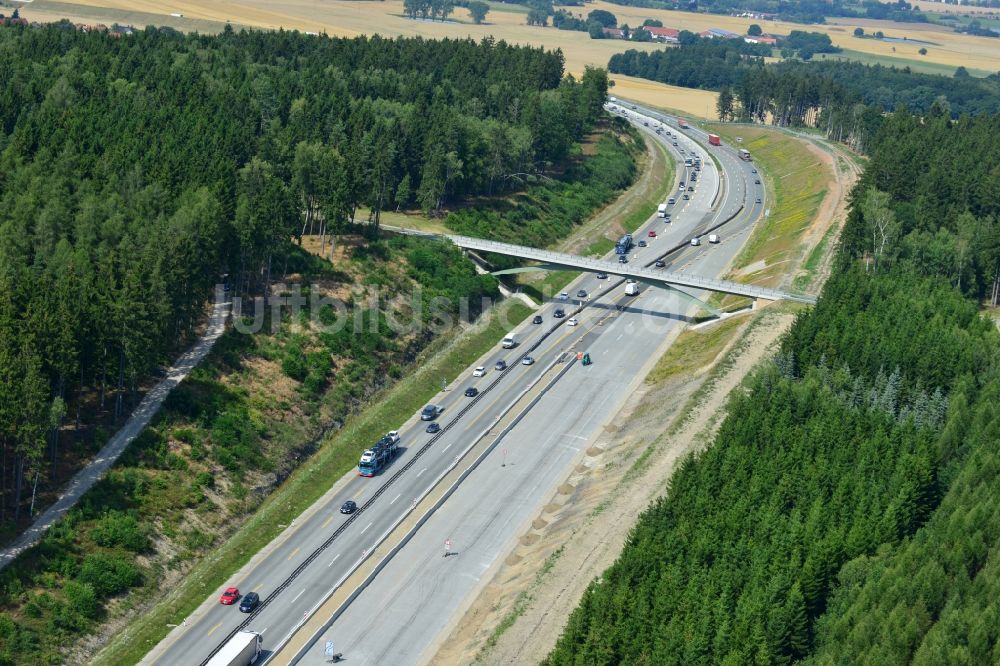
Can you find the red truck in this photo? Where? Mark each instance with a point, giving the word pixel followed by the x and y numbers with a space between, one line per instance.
pixel 714 140
pixel 682 123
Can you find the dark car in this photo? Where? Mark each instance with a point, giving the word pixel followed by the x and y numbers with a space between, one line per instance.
pixel 758 200
pixel 753 170
pixel 537 319
pixel 642 243
pixel 601 276
pixel 249 602
pixel 559 314
pixel 581 294
pixel 501 365
pixel 660 263
pixel 622 259
pixel 756 181
pixel 350 506
pixel 433 427
pixel 690 189
pixel 471 392
pixel 430 412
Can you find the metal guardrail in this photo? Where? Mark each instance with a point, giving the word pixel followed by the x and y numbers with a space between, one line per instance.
pixel 672 278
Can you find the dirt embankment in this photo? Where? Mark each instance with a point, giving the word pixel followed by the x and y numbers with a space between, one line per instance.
pixel 581 530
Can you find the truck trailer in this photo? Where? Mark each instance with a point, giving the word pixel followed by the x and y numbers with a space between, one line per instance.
pixel 683 124
pixel 242 649
pixel 713 139
pixel 661 210
pixel 374 459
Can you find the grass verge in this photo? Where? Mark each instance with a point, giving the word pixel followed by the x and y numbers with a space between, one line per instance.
pixel 336 457
pixel 796 182
pixel 694 349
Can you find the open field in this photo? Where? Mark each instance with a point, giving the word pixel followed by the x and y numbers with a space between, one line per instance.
pixel 689 101
pixel 353 17
pixel 918 64
pixel 942 8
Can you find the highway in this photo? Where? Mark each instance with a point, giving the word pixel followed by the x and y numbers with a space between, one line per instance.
pixel 414 596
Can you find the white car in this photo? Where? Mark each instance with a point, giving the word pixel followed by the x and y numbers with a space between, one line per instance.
pixel 479 372
pixel 563 296
pixel 573 321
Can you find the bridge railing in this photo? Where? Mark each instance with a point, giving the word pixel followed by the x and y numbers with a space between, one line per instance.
pixel 571 261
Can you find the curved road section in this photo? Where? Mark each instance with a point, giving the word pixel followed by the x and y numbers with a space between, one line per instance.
pixel 384 584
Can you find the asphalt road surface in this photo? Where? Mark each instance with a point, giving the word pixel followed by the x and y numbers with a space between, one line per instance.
pixel 397 619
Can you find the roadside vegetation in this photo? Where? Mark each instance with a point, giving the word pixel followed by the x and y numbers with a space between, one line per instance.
pixel 796 180
pixel 842 514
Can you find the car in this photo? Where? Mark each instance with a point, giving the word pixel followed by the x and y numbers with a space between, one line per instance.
pixel 695 241
pixel 690 188
pixel 757 200
pixel 659 263
pixel 348 507
pixel 645 123
pixel 753 170
pixel 559 313
pixel 563 296
pixel 642 243
pixel 471 392
pixel 675 143
pixel 682 185
pixel 601 276
pixel 249 602
pixel 230 596
pixel 652 233
pixel 573 321
pixel 756 181
pixel 500 366
pixel 687 197
pixel 433 427
pixel 479 372
pixel 581 294
pixel 537 319
pixel 680 188
pixel 527 360
pixel 622 259
pixel 430 412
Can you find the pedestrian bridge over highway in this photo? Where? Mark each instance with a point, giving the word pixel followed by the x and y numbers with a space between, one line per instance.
pixel 559 260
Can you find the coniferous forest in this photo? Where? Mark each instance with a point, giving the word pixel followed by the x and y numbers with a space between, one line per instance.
pixel 138 172
pixel 846 511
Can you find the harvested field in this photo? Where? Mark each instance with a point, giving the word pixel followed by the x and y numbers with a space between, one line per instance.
pixel 689 101
pixel 352 17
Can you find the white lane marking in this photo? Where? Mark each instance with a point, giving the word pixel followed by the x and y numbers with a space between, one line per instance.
pixel 619 337
pixel 262 630
pixel 366 528
pixel 446 448
pixel 421 472
pixel 333 560
pixel 298 595
pixel 395 498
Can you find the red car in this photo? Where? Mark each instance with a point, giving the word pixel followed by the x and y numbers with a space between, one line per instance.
pixel 652 234
pixel 229 597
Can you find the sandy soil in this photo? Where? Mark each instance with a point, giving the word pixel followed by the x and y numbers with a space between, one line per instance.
pixel 583 527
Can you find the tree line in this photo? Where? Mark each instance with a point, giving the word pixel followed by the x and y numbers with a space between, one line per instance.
pixel 843 513
pixel 847 100
pixel 136 172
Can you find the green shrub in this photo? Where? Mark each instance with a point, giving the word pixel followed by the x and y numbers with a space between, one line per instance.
pixel 83 598
pixel 120 529
pixel 108 573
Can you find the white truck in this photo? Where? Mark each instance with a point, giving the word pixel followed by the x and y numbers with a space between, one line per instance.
pixel 242 649
pixel 661 210
pixel 631 288
pixel 713 238
pixel 509 342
